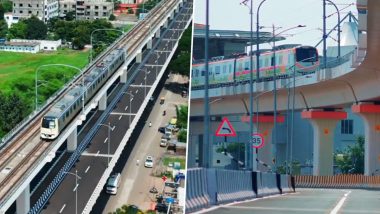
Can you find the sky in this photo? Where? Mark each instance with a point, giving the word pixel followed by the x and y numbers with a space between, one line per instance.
pixel 231 15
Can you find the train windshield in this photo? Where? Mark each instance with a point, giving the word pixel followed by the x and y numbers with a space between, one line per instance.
pixel 48 123
pixel 306 54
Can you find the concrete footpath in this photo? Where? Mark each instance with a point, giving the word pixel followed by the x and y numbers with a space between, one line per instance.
pixel 136 179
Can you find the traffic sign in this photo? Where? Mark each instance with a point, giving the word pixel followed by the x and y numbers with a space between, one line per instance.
pixel 164 178
pixel 257 140
pixel 225 129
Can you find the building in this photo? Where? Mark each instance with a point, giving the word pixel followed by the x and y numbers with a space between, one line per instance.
pixel 30 46
pixel 43 9
pixel 8 17
pixel 93 9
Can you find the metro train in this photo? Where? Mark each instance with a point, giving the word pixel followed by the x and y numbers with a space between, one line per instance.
pixel 236 69
pixel 61 114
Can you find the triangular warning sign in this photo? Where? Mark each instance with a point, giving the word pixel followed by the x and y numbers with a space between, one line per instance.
pixel 225 129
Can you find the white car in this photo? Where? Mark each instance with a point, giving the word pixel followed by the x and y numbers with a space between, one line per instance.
pixel 164 142
pixel 148 162
pixel 113 183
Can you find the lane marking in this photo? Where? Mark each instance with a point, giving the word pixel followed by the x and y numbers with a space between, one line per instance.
pixel 122 114
pixel 137 91
pixel 340 203
pixel 105 140
pixel 87 169
pixel 76 187
pixel 63 207
pixel 131 99
pixel 97 154
pixel 126 107
pixel 120 117
pixel 113 128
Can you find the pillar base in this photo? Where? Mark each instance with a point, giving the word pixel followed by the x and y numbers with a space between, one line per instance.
pixel 72 141
pixel 103 102
pixel 23 202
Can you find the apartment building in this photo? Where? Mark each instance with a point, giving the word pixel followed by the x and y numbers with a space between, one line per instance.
pixel 43 9
pixel 87 9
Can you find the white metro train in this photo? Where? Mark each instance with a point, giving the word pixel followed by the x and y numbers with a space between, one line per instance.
pixel 61 114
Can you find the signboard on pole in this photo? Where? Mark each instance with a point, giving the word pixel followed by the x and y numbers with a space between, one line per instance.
pixel 257 140
pixel 225 129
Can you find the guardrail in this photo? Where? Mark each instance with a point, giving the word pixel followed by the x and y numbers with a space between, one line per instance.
pixel 213 186
pixel 338 181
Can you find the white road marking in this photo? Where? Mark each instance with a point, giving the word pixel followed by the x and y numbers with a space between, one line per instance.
pixel 63 207
pixel 76 187
pixel 105 140
pixel 122 114
pixel 97 153
pixel 126 107
pixel 120 117
pixel 87 169
pixel 340 203
pixel 131 99
pixel 137 91
pixel 113 128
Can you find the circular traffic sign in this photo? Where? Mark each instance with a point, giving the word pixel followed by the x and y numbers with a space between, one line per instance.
pixel 257 140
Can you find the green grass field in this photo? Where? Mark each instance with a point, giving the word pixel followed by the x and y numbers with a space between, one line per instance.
pixel 168 160
pixel 21 67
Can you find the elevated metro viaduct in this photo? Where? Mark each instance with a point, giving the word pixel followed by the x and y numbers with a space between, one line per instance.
pixel 18 187
pixel 353 85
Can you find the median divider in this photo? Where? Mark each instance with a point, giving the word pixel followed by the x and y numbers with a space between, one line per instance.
pixel 197 196
pixel 338 181
pixel 267 184
pixel 233 185
pixel 286 183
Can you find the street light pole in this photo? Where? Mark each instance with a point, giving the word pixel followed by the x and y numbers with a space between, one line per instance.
pixel 205 160
pixel 76 188
pixel 324 35
pixel 338 12
pixel 109 140
pixel 248 145
pixel 49 65
pixel 130 106
pixel 146 73
pixel 105 29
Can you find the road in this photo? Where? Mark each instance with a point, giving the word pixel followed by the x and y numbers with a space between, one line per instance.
pixel 93 161
pixel 310 201
pixel 137 180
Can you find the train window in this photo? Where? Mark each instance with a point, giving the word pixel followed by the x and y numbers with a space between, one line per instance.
pixel 230 68
pixel 240 67
pixel 67 114
pixel 224 69
pixel 217 69
pixel 196 72
pixel 210 71
pixel 246 65
pixel 203 73
pixel 271 61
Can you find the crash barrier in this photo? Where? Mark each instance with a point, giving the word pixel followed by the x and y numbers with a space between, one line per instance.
pixel 338 181
pixel 285 183
pixel 212 186
pixel 267 184
pixel 234 185
pixel 197 196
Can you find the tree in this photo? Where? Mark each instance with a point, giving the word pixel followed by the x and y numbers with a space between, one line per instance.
pixel 182 115
pixel 182 136
pixel 7 5
pixel 2 11
pixel 17 30
pixel 112 17
pixel 351 160
pixel 12 111
pixel 3 28
pixel 70 16
pixel 35 28
pixel 130 11
pixel 180 63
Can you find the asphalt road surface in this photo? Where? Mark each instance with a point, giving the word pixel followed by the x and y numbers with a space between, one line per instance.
pixel 331 201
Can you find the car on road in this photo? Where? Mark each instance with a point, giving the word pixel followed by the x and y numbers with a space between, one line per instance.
pixel 167 136
pixel 163 142
pixel 113 183
pixel 162 130
pixel 148 162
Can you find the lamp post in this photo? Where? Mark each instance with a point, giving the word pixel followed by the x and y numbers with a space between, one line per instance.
pixel 275 82
pixel 258 42
pixel 146 73
pixel 205 160
pixel 109 139
pixel 64 65
pixel 324 35
pixel 337 11
pixel 105 29
pixel 130 106
pixel 76 188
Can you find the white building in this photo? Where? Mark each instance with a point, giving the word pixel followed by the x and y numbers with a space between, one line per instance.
pixel 30 46
pixel 8 17
pixel 43 9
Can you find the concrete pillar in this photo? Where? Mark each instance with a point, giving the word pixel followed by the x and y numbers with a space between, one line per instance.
pixel 149 44
pixel 138 57
pixel 72 141
pixel 123 77
pixel 166 24
pixel 23 201
pixel 172 15
pixel 323 123
pixel 158 33
pixel 371 116
pixel 266 153
pixel 103 102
